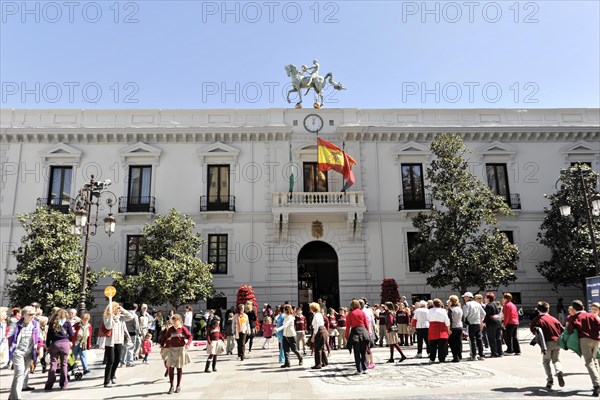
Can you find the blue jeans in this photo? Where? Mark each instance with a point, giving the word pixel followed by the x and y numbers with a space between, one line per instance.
pixel 82 354
pixel 128 351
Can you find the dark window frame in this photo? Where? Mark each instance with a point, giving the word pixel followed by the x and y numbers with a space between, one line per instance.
pixel 315 184
pixel 63 168
pixel 496 190
pixel 220 267
pixel 414 264
pixel 218 203
pixel 131 262
pixel 415 297
pixel 410 195
pixel 130 187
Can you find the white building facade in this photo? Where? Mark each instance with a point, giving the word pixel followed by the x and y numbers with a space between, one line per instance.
pixel 230 171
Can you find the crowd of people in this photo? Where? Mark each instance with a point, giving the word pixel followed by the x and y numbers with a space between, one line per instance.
pixel 437 328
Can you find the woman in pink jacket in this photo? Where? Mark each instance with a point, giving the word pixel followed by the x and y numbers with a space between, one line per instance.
pixel 511 325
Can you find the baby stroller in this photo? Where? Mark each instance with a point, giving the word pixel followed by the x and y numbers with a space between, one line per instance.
pixel 74 367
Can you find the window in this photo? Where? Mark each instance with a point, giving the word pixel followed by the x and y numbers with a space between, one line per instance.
pixel 217 302
pixel 414 264
pixel 511 240
pixel 314 180
pixel 416 297
pixel 498 179
pixel 218 188
pixel 516 297
pixel 217 253
pixel 509 236
pixel 139 188
pixel 413 188
pixel 135 245
pixel 59 190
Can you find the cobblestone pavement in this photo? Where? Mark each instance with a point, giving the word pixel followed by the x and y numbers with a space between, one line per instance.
pixel 259 377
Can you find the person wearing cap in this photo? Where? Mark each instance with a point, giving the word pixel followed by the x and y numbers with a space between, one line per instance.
pixel 588 328
pixel 422 327
pixel 511 325
pixel 493 325
pixel 473 316
pixel 552 329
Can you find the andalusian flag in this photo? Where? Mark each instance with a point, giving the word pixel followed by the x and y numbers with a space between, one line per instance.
pixel 331 157
pixel 292 173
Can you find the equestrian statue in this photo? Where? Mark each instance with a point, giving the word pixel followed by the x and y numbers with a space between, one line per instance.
pixel 311 81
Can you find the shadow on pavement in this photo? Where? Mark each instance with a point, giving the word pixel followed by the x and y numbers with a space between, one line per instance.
pixel 537 391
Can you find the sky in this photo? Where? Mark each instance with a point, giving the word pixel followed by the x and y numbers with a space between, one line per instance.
pixel 216 54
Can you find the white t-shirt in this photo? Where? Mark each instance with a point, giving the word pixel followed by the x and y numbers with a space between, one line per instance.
pixel 187 320
pixel 421 315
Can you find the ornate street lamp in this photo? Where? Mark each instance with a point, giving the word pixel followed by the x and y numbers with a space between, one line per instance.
pixel 592 206
pixel 87 201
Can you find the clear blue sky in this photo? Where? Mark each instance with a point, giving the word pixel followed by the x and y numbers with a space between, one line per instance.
pixel 389 54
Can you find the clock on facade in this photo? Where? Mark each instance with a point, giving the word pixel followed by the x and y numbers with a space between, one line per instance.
pixel 313 123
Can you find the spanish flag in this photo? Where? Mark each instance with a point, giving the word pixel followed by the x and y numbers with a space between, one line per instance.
pixel 331 157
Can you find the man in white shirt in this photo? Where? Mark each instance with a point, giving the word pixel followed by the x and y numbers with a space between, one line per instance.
pixel 188 318
pixel 473 315
pixel 420 315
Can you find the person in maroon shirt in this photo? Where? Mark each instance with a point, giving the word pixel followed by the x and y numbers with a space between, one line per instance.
pixel 300 325
pixel 552 329
pixel 588 327
pixel 357 334
pixel 341 320
pixel 177 342
pixel 213 336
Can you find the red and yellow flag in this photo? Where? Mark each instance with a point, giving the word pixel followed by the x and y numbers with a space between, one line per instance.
pixel 332 157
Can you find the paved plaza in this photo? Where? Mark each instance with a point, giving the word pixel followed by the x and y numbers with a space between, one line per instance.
pixel 259 377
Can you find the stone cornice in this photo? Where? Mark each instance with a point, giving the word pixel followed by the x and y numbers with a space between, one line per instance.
pixel 240 125
pixel 474 134
pixel 145 135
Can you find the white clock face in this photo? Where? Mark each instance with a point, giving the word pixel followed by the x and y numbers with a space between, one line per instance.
pixel 313 123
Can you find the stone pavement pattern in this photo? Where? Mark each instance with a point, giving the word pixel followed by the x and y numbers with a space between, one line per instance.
pixel 259 377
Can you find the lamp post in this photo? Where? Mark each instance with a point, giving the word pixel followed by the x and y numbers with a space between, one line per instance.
pixel 592 206
pixel 87 201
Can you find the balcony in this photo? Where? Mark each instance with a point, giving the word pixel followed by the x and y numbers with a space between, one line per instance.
pixel 62 205
pixel 318 201
pixel 217 203
pixel 513 200
pixel 137 204
pixel 310 206
pixel 424 204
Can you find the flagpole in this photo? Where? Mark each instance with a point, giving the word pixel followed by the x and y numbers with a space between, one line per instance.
pixel 343 180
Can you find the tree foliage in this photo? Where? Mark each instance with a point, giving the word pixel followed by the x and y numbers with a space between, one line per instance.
pixel 458 244
pixel 49 263
pixel 568 238
pixel 169 270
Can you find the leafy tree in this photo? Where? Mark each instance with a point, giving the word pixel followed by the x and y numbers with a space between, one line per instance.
pixel 49 263
pixel 457 242
pixel 568 238
pixel 170 271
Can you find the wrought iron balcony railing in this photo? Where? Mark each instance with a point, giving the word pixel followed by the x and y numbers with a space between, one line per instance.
pixel 217 203
pixel 406 204
pixel 137 204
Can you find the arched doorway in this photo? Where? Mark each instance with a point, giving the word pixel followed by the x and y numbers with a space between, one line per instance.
pixel 318 276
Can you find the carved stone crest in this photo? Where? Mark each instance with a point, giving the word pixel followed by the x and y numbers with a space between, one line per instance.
pixel 317 229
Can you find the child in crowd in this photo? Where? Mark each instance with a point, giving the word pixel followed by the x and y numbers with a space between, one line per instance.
pixel 267 330
pixel 300 325
pixel 213 337
pixel 178 340
pixel 146 347
pixel 333 332
pixel 341 328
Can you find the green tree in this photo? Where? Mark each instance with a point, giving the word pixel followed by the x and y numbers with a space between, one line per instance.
pixel 49 262
pixel 458 244
pixel 170 271
pixel 568 238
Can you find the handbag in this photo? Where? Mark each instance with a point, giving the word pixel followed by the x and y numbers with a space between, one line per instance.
pixel 103 331
pixel 221 347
